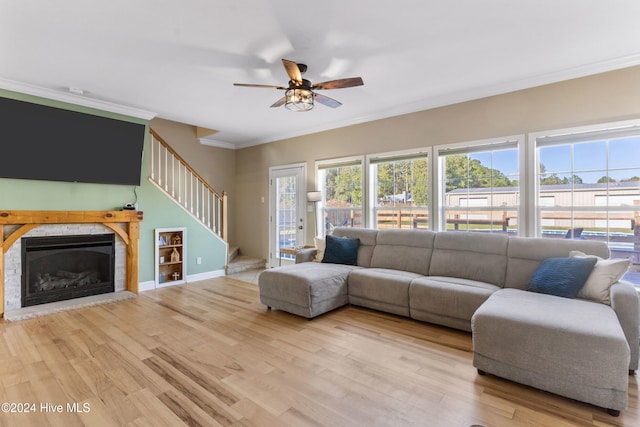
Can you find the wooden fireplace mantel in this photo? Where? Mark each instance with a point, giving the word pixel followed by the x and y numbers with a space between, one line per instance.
pixel 32 219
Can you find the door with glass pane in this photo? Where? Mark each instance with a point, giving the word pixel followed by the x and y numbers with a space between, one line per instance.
pixel 287 195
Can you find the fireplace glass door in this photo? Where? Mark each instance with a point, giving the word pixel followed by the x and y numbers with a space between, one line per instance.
pixel 60 268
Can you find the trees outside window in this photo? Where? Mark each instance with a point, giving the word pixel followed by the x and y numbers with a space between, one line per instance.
pixel 341 185
pixel 401 192
pixel 581 183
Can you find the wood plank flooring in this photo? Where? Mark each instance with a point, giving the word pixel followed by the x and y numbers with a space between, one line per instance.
pixel 209 354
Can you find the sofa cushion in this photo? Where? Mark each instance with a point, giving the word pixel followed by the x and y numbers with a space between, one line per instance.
pixel 605 273
pixel 447 300
pixel 468 255
pixel 526 253
pixel 561 276
pixel 404 249
pixel 367 242
pixel 341 250
pixel 381 289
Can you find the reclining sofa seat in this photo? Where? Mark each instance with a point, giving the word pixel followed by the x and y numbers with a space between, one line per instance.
pixel 309 289
pixel 398 258
pixel 440 278
pixel 465 269
pixel 576 348
pixel 476 282
pixel 525 254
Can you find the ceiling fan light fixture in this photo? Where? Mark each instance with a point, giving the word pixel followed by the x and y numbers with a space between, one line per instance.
pixel 299 100
pixel 299 95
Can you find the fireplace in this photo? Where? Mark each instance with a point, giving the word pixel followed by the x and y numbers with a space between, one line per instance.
pixel 57 268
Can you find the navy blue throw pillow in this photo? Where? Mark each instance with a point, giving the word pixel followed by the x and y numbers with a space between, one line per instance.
pixel 562 277
pixel 341 250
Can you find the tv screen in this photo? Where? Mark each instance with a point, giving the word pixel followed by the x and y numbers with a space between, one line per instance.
pixel 47 143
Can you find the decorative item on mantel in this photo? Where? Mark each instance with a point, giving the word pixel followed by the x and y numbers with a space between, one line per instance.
pixel 175 255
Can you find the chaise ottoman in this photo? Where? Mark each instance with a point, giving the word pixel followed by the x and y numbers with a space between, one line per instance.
pixel 574 348
pixel 308 289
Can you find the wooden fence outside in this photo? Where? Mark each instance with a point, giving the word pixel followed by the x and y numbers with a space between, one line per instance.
pixel 418 218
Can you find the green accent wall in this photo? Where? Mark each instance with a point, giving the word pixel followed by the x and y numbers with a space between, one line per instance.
pixel 159 210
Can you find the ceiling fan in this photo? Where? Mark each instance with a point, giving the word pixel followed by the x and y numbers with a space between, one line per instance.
pixel 300 95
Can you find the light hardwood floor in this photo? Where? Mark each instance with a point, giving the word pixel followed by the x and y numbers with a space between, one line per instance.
pixel 208 353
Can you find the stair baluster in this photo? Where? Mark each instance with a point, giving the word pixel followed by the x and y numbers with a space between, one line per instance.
pixel 190 190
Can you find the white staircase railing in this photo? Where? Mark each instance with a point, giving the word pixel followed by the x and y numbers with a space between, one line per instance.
pixel 173 174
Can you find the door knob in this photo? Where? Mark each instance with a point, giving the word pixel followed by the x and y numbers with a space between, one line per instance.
pixel 299 227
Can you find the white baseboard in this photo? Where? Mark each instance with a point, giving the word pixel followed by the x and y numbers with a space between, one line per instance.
pixel 151 284
pixel 146 286
pixel 171 283
pixel 205 276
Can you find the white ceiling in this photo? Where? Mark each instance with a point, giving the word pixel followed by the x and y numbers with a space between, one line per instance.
pixel 180 58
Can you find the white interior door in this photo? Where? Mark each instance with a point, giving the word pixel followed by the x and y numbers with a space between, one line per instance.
pixel 287 202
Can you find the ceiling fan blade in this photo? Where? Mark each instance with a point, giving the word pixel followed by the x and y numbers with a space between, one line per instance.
pixel 339 84
pixel 279 102
pixel 325 100
pixel 293 71
pixel 252 85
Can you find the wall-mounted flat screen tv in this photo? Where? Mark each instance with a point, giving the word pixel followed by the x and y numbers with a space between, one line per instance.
pixel 47 143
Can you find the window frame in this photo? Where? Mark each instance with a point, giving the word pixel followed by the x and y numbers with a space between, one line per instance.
pixel 409 154
pixel 571 135
pixel 438 202
pixel 338 162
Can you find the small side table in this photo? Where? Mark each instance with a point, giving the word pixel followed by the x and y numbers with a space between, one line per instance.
pixel 292 250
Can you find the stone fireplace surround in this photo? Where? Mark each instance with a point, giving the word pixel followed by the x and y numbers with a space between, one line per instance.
pixel 17 224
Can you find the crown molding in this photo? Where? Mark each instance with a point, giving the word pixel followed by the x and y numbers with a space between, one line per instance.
pixel 72 98
pixel 214 143
pixel 462 96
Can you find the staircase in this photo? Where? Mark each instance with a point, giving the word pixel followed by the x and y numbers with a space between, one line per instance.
pixel 238 263
pixel 173 175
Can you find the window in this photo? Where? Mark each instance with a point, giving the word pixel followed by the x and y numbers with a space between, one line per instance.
pixel 588 187
pixel 479 185
pixel 399 191
pixel 341 184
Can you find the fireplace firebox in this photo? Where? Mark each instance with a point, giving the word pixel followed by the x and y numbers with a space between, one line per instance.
pixel 58 268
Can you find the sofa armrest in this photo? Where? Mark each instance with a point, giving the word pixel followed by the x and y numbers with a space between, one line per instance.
pixel 626 304
pixel 306 255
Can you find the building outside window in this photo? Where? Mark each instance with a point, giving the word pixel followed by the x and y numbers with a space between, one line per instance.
pixel 479 186
pixel 588 187
pixel 583 184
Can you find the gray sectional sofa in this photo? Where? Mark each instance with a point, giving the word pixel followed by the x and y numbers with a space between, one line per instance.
pixel 476 282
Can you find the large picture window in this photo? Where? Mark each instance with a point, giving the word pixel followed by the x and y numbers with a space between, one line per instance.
pixel 588 187
pixel 479 186
pixel 399 191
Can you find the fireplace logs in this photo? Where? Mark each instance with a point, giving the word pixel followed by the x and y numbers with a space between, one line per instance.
pixel 59 268
pixel 65 279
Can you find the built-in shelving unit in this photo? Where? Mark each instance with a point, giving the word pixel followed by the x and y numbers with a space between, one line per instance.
pixel 170 251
